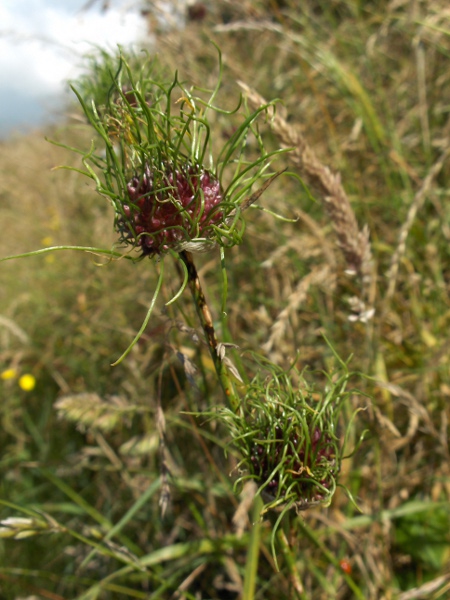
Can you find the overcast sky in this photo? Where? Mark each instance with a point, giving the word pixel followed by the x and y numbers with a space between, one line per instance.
pixel 41 46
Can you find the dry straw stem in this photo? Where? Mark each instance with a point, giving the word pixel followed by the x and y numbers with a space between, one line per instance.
pixel 11 327
pixel 281 325
pixel 416 205
pixel 427 590
pixel 354 243
pixel 240 517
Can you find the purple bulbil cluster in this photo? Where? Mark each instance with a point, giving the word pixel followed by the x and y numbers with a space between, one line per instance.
pixel 170 207
pixel 309 465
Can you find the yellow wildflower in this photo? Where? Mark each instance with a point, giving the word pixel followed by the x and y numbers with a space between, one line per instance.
pixel 27 382
pixel 8 374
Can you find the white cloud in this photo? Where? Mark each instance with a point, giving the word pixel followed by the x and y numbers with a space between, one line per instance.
pixel 42 42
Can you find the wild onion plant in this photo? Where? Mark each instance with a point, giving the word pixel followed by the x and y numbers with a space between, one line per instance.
pixel 175 194
pixel 287 434
pixel 171 195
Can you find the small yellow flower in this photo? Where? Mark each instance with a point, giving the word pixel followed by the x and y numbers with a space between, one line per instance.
pixel 47 241
pixel 27 382
pixel 8 374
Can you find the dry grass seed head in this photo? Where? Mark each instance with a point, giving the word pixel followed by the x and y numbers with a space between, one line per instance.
pixel 353 242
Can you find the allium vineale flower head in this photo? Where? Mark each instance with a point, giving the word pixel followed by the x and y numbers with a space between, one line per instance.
pixel 170 207
pixel 171 186
pixel 287 435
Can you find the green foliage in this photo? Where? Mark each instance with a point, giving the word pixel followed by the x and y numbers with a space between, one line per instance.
pixel 424 537
pixel 154 132
pixel 91 454
pixel 286 433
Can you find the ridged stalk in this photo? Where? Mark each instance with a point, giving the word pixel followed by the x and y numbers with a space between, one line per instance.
pixel 204 315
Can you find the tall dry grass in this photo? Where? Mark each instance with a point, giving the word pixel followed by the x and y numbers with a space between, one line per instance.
pixel 365 89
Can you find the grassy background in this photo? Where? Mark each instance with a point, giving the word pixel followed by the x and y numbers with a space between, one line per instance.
pixel 368 85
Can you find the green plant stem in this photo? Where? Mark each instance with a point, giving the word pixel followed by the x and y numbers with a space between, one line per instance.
pixel 204 315
pixel 251 564
pixel 290 559
pixel 331 558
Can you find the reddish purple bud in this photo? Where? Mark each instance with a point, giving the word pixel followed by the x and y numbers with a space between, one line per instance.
pixel 170 207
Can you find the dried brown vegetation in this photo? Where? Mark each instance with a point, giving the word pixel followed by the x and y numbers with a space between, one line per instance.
pixel 365 90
